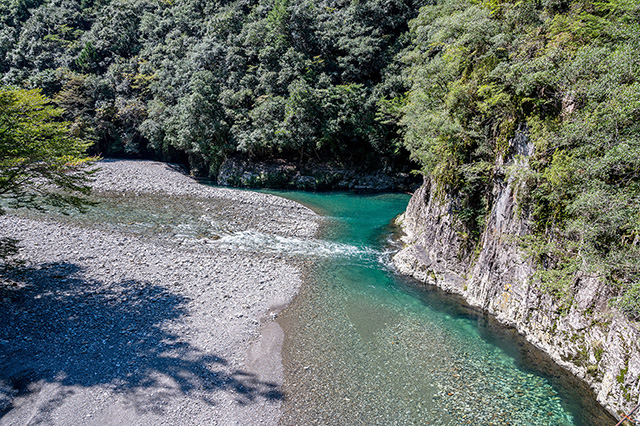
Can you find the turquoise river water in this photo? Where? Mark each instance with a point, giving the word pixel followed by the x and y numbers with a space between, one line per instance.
pixel 365 346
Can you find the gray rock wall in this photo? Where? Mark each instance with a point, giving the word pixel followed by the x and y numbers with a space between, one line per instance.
pixel 241 172
pixel 590 339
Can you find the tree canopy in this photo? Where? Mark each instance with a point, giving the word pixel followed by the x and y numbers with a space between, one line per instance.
pixel 201 80
pixel 41 160
pixel 566 75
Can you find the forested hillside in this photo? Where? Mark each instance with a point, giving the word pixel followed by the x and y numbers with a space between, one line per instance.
pixel 203 79
pixel 357 82
pixel 565 74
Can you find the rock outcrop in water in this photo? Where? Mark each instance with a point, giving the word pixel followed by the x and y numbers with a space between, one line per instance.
pixel 592 340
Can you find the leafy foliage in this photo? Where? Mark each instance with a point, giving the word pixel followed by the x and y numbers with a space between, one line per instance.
pixel 199 80
pixel 565 73
pixel 41 161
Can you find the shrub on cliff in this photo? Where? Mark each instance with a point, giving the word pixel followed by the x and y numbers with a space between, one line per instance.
pixel 567 74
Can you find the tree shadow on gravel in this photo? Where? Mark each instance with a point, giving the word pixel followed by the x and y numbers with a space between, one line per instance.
pixel 58 327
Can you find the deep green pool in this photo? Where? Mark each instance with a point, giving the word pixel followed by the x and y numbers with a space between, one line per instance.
pixel 367 347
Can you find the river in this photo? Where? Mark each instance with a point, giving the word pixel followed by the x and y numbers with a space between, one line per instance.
pixel 365 346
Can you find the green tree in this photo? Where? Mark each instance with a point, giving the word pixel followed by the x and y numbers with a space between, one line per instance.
pixel 42 163
pixel 564 76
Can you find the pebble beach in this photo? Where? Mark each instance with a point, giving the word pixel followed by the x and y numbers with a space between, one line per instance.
pixel 119 321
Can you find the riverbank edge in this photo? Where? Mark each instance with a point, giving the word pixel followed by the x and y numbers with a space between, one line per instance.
pixel 259 355
pixel 590 339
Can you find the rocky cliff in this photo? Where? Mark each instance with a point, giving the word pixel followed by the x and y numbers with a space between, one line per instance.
pixel 590 339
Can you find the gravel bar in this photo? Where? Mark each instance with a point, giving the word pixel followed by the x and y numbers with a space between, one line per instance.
pixel 108 325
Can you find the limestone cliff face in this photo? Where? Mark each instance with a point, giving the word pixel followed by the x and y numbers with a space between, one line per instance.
pixel 592 340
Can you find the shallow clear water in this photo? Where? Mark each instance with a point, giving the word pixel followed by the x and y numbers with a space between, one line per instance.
pixel 367 347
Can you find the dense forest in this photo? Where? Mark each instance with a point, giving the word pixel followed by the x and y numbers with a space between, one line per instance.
pixel 447 82
pixel 566 74
pixel 199 80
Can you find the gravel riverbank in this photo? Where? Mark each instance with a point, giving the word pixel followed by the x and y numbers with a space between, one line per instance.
pixel 145 322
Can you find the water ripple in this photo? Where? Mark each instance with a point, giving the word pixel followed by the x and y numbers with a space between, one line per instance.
pixel 293 246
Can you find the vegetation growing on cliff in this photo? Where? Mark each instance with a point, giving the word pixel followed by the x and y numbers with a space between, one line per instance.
pixel 566 74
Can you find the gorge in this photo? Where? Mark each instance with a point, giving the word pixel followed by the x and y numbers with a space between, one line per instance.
pixel 160 302
pixel 521 119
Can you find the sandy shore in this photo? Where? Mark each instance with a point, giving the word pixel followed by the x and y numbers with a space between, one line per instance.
pixel 109 326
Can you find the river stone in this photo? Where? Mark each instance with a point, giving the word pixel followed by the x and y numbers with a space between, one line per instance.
pixel 109 324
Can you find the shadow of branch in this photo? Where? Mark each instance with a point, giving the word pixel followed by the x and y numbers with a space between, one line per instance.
pixel 61 327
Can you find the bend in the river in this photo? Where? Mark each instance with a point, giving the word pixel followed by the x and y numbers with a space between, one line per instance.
pixel 365 346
